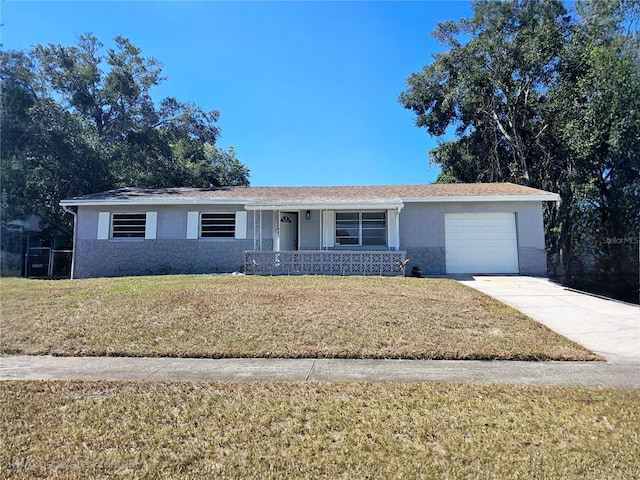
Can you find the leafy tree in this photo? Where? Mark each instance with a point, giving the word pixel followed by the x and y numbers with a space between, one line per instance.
pixel 490 89
pixel 17 99
pixel 114 102
pixel 597 100
pixel 539 97
pixel 223 168
pixel 76 120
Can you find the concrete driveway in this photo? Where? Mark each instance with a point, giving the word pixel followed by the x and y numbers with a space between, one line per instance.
pixel 606 327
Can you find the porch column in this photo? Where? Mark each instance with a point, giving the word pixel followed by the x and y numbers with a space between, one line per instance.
pixel 393 229
pixel 321 213
pixel 255 229
pixel 260 230
pixel 398 229
pixel 276 230
pixel 328 230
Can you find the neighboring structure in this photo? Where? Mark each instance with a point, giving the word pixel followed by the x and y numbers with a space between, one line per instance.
pixel 16 239
pixel 370 230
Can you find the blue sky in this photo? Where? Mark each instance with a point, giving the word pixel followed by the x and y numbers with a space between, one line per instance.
pixel 307 91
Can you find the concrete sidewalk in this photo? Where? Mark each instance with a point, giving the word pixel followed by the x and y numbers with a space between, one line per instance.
pixel 607 327
pixel 22 367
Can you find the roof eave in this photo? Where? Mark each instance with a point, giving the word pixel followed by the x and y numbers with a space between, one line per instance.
pixel 296 205
pixel 153 201
pixel 383 204
pixel 544 197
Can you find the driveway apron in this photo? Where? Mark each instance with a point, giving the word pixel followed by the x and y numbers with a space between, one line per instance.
pixel 607 327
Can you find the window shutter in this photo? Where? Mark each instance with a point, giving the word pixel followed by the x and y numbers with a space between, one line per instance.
pixel 392 219
pixel 328 229
pixel 103 225
pixel 192 225
pixel 151 227
pixel 241 225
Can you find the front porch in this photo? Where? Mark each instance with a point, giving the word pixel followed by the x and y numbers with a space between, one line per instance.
pixel 325 262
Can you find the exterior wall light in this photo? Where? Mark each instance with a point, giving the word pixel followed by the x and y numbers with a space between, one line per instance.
pixel 308 215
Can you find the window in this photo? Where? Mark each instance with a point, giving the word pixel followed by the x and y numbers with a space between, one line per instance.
pixel 217 225
pixel 128 225
pixel 361 228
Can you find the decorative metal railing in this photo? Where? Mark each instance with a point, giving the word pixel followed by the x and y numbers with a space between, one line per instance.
pixel 325 262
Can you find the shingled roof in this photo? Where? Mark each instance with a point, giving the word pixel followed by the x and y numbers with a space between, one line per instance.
pixel 315 196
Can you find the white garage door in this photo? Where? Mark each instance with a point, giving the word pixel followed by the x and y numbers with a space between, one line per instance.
pixel 481 243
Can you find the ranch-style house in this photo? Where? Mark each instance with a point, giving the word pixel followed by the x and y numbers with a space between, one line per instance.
pixel 347 230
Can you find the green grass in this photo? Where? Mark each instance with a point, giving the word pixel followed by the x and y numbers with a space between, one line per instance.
pixel 293 317
pixel 316 430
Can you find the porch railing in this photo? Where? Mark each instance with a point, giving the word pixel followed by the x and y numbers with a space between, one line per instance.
pixel 325 262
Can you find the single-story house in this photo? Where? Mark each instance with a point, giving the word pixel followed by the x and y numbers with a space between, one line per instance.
pixel 370 230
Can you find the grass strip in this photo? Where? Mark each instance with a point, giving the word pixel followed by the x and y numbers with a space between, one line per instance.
pixel 316 430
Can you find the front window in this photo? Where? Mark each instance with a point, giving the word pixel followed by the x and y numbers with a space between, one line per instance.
pixel 217 225
pixel 128 225
pixel 361 228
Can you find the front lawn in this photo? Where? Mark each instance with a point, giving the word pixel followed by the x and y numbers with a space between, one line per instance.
pixel 294 317
pixel 316 430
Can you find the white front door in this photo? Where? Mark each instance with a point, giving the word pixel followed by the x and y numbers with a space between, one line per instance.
pixel 288 231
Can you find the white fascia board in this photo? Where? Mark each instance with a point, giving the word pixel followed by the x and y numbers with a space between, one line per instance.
pixel 157 201
pixel 548 197
pixel 325 206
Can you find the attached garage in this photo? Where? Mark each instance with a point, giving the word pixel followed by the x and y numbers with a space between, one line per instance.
pixel 481 243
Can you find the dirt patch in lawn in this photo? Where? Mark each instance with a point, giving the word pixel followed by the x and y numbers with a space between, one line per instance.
pixel 309 430
pixel 291 317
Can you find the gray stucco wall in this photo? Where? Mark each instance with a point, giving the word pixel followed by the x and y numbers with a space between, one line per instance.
pixel 422 233
pixel 172 219
pixel 422 236
pixel 170 252
pixel 100 258
pixel 309 230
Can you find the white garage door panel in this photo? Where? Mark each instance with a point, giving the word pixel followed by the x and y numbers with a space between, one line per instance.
pixel 481 243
